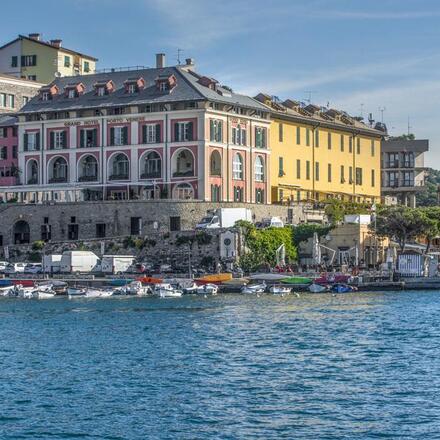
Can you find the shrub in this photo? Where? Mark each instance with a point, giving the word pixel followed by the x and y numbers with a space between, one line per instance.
pixel 38 245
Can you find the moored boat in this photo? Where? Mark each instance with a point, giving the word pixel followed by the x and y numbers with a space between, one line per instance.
pixel 254 288
pixel 343 288
pixel 207 289
pixel 317 288
pixel 280 290
pixel 215 278
pixel 166 290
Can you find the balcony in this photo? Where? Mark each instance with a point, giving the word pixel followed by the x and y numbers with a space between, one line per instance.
pixel 408 183
pixel 189 173
pixel 32 181
pixel 392 164
pixel 58 180
pixel 151 175
pixel 408 164
pixel 88 179
pixel 118 177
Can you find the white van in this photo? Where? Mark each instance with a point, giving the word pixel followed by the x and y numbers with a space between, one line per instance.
pixel 13 268
pixel 3 265
pixel 272 222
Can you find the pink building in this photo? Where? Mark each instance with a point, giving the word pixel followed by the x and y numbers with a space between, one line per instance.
pixel 164 132
pixel 8 151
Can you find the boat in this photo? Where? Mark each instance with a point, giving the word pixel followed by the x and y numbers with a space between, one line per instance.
pixel 166 290
pixel 317 288
pixel 8 292
pixel 118 282
pixel 97 293
pixel 191 289
pixel 280 290
pixel 254 288
pixel 5 282
pixel 149 280
pixel 134 288
pixel 215 278
pixel 43 294
pixel 343 288
pixel 74 292
pixel 296 280
pixel 207 289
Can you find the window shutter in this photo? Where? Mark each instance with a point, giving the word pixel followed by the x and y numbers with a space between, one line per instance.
pixel 220 131
pixel 82 135
pixel 243 139
pixel 37 141
pixel 176 131
pixel 25 141
pixel 158 133
pixel 52 140
pixel 64 138
pixel 112 136
pixel 144 134
pixel 234 135
pixel 125 135
pixel 95 137
pixel 211 130
pixel 23 60
pixel 34 60
pixel 190 131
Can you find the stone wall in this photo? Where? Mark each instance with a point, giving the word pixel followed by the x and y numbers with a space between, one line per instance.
pixel 19 91
pixel 117 216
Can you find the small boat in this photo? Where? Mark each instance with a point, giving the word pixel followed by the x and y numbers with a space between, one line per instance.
pixel 165 290
pixel 74 292
pixel 191 289
pixel 296 280
pixel 150 280
pixel 134 288
pixel 215 278
pixel 280 290
pixel 207 289
pixel 343 288
pixel 317 288
pixel 254 288
pixel 5 282
pixel 119 282
pixel 97 293
pixel 43 294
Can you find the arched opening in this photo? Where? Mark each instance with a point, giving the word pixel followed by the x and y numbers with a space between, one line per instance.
pixel 183 163
pixel 237 167
pixel 21 232
pixel 32 172
pixel 215 164
pixel 183 191
pixel 151 166
pixel 259 169
pixel 88 169
pixel 58 170
pixel 119 167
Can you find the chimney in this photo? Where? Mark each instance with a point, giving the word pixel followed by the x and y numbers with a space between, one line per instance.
pixel 160 60
pixel 35 36
pixel 56 43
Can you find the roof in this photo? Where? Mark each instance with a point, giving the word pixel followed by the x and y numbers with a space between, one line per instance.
pixel 186 89
pixel 28 82
pixel 404 145
pixel 44 43
pixel 8 120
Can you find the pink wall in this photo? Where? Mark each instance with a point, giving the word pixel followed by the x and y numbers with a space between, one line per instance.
pixel 5 165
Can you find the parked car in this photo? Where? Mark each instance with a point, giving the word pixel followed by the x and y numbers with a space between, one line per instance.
pixel 165 268
pixel 33 268
pixel 3 265
pixel 13 268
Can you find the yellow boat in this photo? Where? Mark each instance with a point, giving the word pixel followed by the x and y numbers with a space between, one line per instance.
pixel 215 278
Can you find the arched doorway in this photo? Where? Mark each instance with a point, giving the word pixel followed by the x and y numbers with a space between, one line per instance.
pixel 21 232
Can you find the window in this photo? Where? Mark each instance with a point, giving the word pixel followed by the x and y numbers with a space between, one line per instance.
pixel 316 138
pixel 298 169
pixel 14 61
pixel 135 226
pixel 281 167
pixel 88 138
pixel 215 164
pixel 259 195
pixel 150 133
pixel 88 169
pixel 342 142
pixel 342 174
pixel 308 137
pixel 11 101
pixel 237 167
pixel 329 141
pixel 183 131
pixel 259 169
pixel 358 145
pixel 408 178
pixel 152 166
pixel 101 91
pixel 350 175
pixel 71 93
pixel 280 132
pixel 28 60
pixel 175 223
pixel 86 66
pixel 59 170
pixel 260 137
pixel 100 230
pixel 298 135
pixel 215 130
pixel 45 96
pixel 32 77
pixel 350 144
pixel 372 148
pixel 238 194
pixel 120 167
pixel 358 176
pixel 307 169
pixel 14 152
pixel 216 193
pixel 58 140
pixel 72 232
pixel 316 171
pixel 119 136
pixel 163 86
pixel 4 153
pixel 329 172
pixel 66 61
pixel 46 231
pixel 373 178
pixel 26 99
pixel 31 141
pixel 239 135
pixel 3 132
pixel 393 179
pixel 2 99
pixel 131 88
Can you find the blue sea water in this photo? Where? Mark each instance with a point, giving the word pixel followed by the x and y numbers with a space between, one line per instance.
pixel 357 366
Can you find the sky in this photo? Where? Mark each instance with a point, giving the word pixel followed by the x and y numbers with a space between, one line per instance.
pixel 376 56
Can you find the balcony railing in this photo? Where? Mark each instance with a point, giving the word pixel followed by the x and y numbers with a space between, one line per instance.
pixel 118 177
pixel 32 181
pixel 88 179
pixel 189 173
pixel 408 183
pixel 58 180
pixel 392 164
pixel 408 164
pixel 151 175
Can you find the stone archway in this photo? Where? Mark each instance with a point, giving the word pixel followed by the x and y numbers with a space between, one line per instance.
pixel 21 232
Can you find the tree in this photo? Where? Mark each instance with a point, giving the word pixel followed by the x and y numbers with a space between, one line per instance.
pixel 429 197
pixel 431 227
pixel 305 231
pixel 401 224
pixel 336 209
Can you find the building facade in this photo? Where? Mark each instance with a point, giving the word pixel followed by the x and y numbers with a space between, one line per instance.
pixel 320 153
pixel 403 170
pixel 166 132
pixel 32 58
pixel 8 151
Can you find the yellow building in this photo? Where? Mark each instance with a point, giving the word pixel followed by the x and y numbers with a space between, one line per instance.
pixel 32 58
pixel 319 153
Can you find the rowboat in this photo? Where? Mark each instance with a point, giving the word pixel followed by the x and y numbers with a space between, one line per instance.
pixel 216 278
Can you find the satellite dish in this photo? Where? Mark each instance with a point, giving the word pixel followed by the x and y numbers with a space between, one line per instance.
pixel 57 74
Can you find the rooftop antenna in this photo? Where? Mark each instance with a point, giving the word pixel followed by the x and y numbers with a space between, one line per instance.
pixel 362 110
pixel 310 93
pixel 382 109
pixel 409 127
pixel 179 51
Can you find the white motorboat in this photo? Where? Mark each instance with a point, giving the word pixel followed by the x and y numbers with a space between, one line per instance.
pixel 9 291
pixel 43 294
pixel 207 289
pixel 76 292
pixel 280 290
pixel 165 290
pixel 191 289
pixel 254 288
pixel 25 292
pixel 317 288
pixel 97 293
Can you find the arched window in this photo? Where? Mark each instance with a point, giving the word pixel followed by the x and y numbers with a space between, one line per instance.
pixel 58 171
pixel 152 168
pixel 237 167
pixel 215 164
pixel 21 232
pixel 259 169
pixel 183 164
pixel 32 172
pixel 119 167
pixel 183 191
pixel 88 169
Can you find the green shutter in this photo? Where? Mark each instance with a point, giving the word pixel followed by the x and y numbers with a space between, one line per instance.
pixel 144 134
pixel 190 131
pixel 220 131
pixel 25 141
pixel 125 135
pixel 82 135
pixel 158 133
pixel 52 140
pixel 37 141
pixel 211 130
pixel 112 136
pixel 64 137
pixel 176 131
pixel 34 60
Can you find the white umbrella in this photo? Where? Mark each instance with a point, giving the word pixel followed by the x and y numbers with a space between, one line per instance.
pixel 316 250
